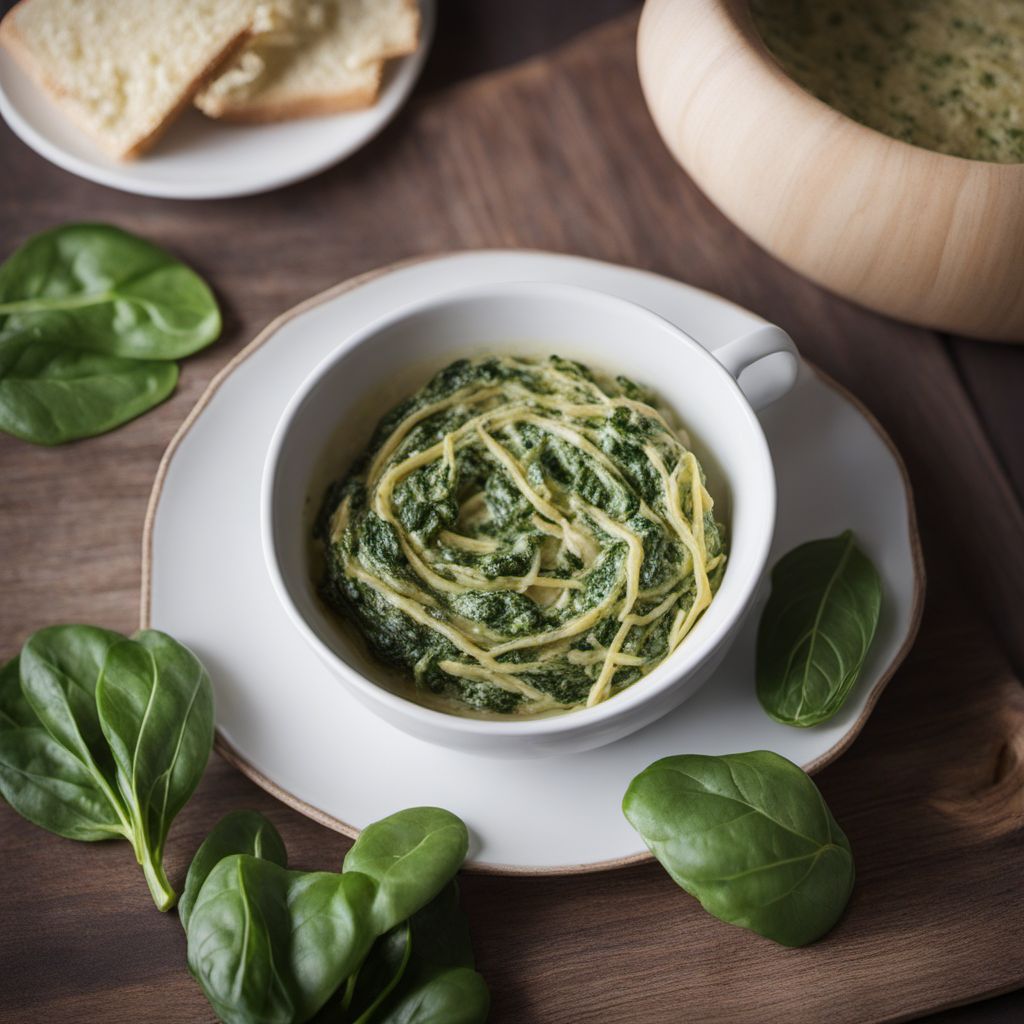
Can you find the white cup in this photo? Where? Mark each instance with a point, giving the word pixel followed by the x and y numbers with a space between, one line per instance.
pixel 331 417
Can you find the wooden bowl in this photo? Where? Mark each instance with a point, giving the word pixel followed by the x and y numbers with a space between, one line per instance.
pixel 933 239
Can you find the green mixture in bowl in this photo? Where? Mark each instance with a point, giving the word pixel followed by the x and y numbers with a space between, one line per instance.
pixel 523 537
pixel 947 75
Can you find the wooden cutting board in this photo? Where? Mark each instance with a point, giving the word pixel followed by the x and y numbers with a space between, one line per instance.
pixel 555 154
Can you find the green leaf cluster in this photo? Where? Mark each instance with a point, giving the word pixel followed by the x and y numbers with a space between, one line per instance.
pixel 105 737
pixel 92 320
pixel 381 942
pixel 816 629
pixel 750 836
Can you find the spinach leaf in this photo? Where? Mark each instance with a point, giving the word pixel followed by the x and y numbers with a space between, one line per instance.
pixel 411 855
pixel 816 630
pixel 51 393
pixel 60 667
pixel 272 945
pixel 50 787
pixel 748 835
pixel 155 708
pixel 440 932
pixel 109 292
pixel 376 979
pixel 238 832
pixel 109 737
pixel 437 982
pixel 457 995
pixel 269 945
pixel 436 936
pixel 15 711
pixel 41 779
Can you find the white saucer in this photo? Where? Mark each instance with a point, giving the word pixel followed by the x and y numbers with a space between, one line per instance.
pixel 200 158
pixel 289 724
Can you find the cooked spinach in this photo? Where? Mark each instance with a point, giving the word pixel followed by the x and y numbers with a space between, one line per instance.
pixel 108 291
pixel 750 836
pixel 105 737
pixel 51 393
pixel 816 630
pixel 523 536
pixel 91 319
pixel 272 945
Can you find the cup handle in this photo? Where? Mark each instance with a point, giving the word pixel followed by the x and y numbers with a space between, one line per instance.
pixel 775 376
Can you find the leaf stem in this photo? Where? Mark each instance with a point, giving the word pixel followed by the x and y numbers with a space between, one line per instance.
pixel 350 988
pixel 161 890
pixel 367 1015
pixel 151 860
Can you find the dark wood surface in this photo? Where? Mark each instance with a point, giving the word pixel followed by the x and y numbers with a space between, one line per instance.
pixel 559 153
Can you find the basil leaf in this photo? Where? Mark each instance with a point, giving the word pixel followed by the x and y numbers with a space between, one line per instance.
pixel 237 832
pixel 155 707
pixel 748 835
pixel 43 781
pixel 816 630
pixel 269 945
pixel 51 393
pixel 109 292
pixel 411 855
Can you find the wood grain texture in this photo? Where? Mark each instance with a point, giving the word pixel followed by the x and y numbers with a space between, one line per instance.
pixel 560 154
pixel 930 238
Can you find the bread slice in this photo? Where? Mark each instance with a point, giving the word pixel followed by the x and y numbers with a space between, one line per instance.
pixel 317 57
pixel 122 69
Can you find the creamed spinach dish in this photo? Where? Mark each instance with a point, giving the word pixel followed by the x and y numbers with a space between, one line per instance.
pixel 523 537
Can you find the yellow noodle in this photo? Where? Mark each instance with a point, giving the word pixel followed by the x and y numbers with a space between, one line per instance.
pixel 497 423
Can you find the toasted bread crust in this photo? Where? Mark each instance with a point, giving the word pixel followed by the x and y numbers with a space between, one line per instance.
pixel 259 108
pixel 263 111
pixel 254 110
pixel 23 54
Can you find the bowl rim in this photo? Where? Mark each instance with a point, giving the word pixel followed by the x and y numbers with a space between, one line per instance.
pixel 736 18
pixel 665 676
pixel 923 237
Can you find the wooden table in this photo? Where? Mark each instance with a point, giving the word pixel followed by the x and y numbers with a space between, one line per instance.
pixel 558 153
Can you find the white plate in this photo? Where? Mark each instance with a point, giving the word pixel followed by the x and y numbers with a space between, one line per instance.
pixel 288 723
pixel 200 158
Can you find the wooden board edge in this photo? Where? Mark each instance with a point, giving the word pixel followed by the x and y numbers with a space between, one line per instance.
pixel 953 1004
